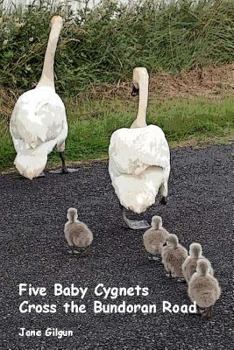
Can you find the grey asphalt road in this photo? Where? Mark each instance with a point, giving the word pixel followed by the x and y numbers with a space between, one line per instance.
pixel 33 252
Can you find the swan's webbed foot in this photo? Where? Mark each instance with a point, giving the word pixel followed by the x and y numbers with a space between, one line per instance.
pixel 66 170
pixel 41 174
pixel 163 201
pixel 63 171
pixel 134 224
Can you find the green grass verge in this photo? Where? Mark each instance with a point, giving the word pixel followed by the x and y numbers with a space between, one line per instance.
pixel 92 123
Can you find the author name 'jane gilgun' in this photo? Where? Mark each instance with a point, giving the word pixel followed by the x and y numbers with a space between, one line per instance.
pixel 49 332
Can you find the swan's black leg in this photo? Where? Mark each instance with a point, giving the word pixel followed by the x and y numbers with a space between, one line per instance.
pixel 64 169
pixel 163 200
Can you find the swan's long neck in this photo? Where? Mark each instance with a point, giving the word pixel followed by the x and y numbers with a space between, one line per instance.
pixel 47 76
pixel 140 121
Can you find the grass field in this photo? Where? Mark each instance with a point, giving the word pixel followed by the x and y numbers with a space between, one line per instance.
pixel 185 122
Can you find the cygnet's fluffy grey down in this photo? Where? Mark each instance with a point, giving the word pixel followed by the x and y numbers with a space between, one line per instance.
pixel 190 264
pixel 155 237
pixel 77 234
pixel 173 256
pixel 204 289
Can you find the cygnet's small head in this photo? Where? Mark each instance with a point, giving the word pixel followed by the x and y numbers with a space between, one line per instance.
pixel 156 222
pixel 172 241
pixel 202 267
pixel 139 73
pixel 72 214
pixel 195 250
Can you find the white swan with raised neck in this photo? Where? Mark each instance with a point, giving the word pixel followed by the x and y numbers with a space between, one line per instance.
pixel 139 158
pixel 38 122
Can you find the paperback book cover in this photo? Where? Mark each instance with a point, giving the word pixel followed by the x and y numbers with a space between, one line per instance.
pixel 116 151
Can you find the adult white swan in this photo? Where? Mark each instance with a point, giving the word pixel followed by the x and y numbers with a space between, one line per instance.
pixel 38 122
pixel 139 159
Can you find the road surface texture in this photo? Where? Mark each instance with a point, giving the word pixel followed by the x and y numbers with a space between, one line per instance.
pixel 33 251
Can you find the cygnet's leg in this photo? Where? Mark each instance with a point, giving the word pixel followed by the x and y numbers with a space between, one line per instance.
pixel 76 251
pixel 64 169
pixel 210 312
pixel 80 251
pixel 207 314
pixel 134 224
pixel 69 245
pixel 200 310
pixel 85 250
pixel 153 257
pixel 181 279
pixel 169 274
pixel 70 249
pixel 150 256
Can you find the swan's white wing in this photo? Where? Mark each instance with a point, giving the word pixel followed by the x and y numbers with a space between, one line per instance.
pixel 139 165
pixel 39 116
pixel 134 150
pixel 38 123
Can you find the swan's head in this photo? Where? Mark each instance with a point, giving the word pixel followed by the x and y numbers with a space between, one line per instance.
pixel 140 75
pixel 56 21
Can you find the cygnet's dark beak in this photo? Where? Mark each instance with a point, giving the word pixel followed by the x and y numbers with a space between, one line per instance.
pixel 164 244
pixel 135 91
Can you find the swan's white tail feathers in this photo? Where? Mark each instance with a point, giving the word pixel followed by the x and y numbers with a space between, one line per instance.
pixel 30 165
pixel 31 162
pixel 137 193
